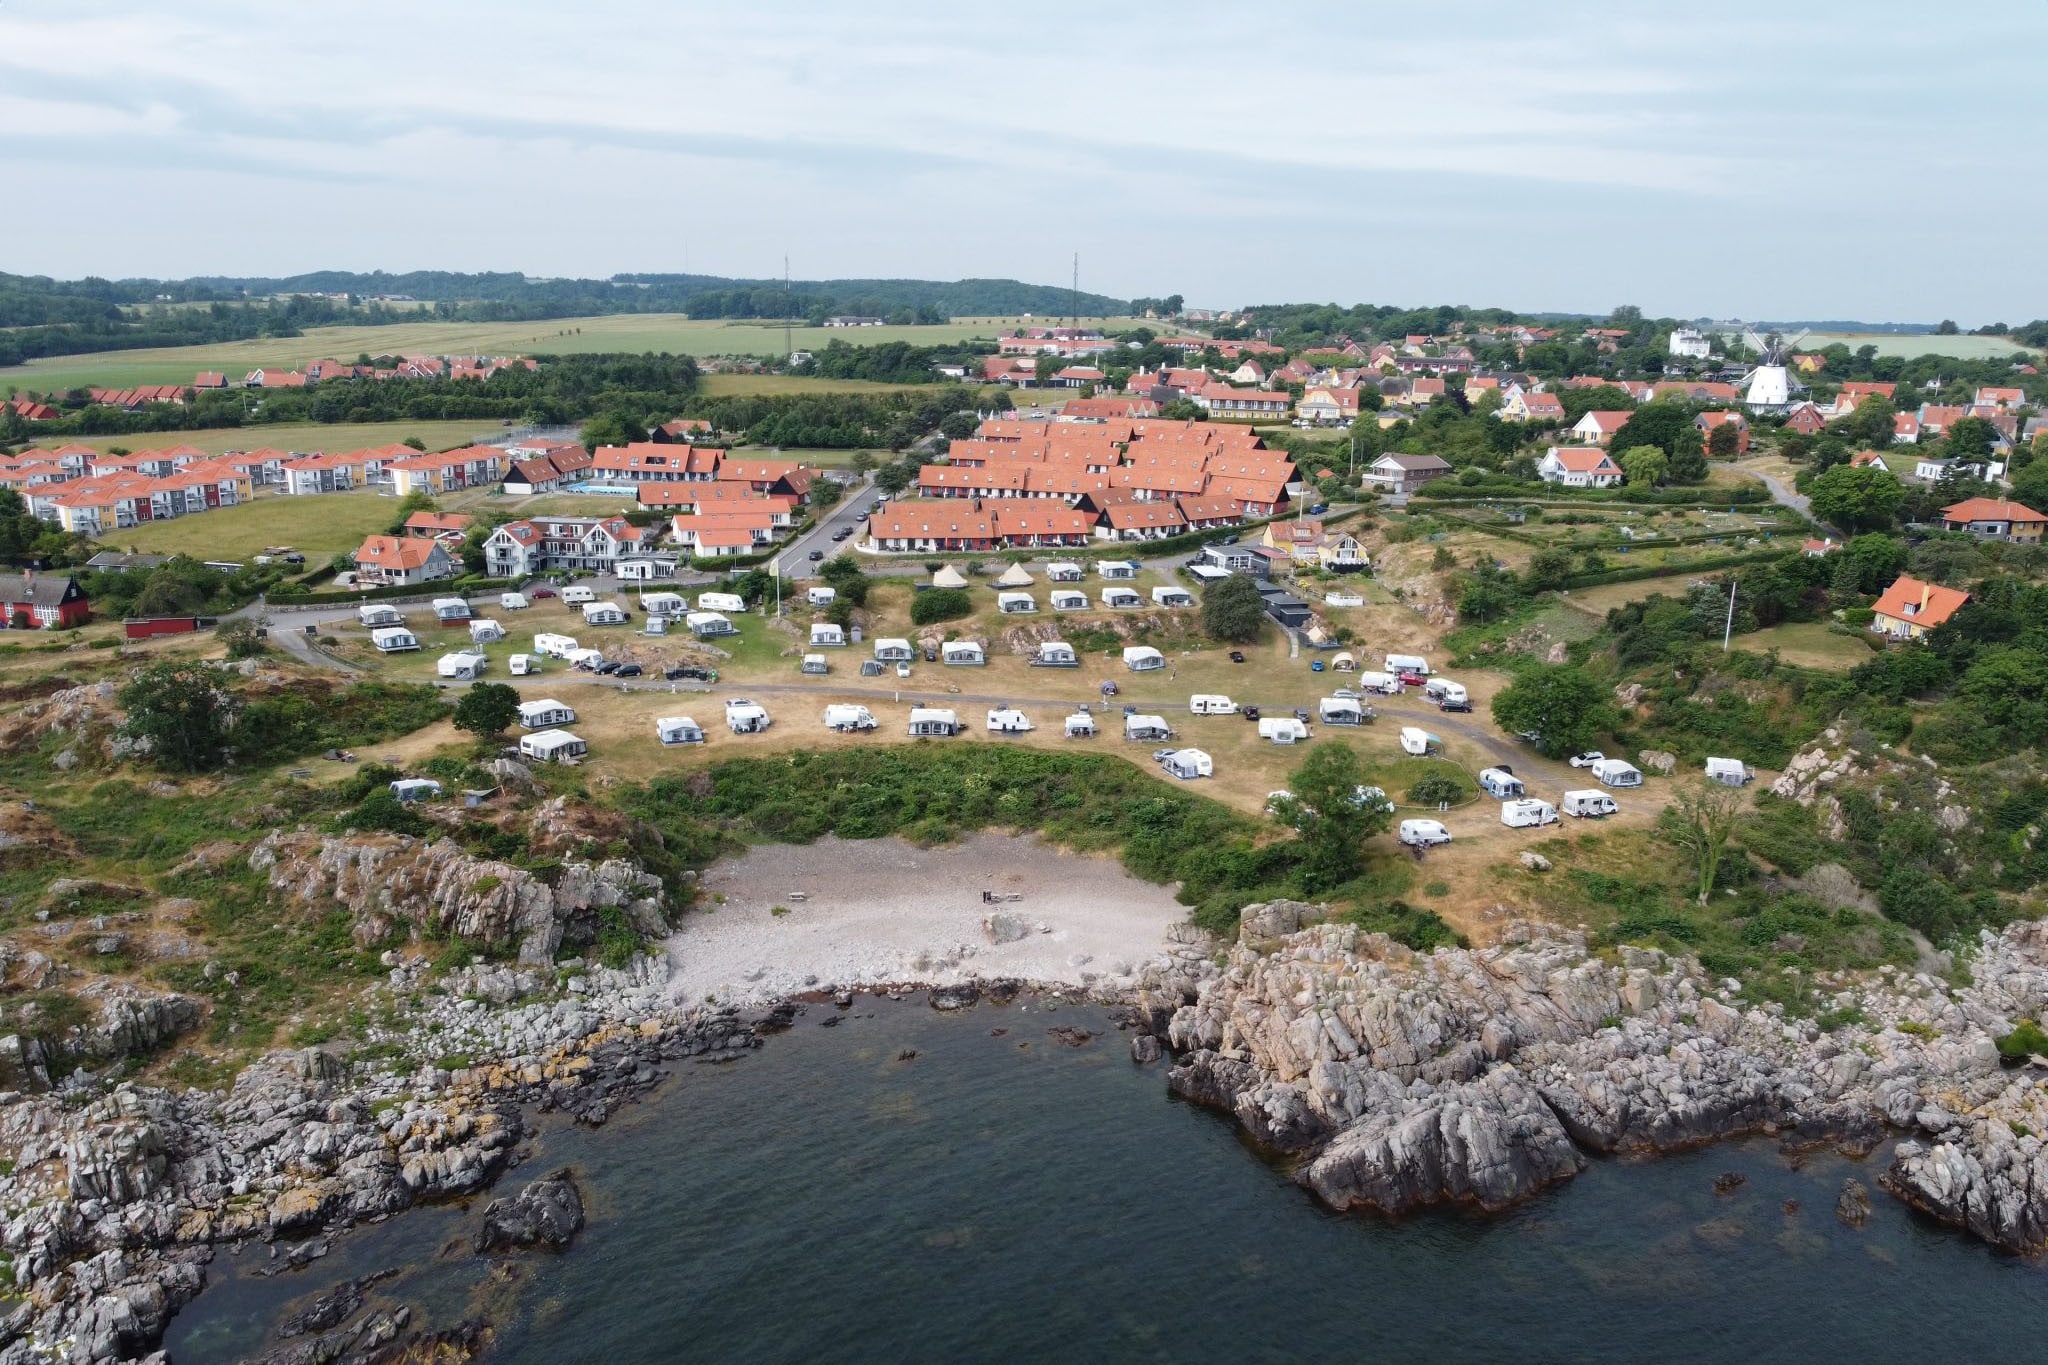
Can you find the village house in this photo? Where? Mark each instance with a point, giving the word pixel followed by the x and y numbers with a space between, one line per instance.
pixel 519 549
pixel 1806 418
pixel 336 473
pixel 1532 407
pixel 386 560
pixel 1706 422
pixel 1911 608
pixel 438 525
pixel 32 601
pixel 433 475
pixel 1995 519
pixel 1598 427
pixel 1405 473
pixel 1579 467
pixel 1221 401
pixel 649 462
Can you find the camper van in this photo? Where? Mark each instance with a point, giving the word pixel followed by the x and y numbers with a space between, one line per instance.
pixel 377 614
pixel 847 719
pixel 578 595
pixel 545 714
pixel 821 596
pixel 1615 772
pixel 1731 772
pixel 394 640
pixel 1419 742
pixel 1069 600
pixel 1008 720
pixel 1589 805
pixel 678 730
pixel 1282 729
pixel 1147 727
pixel 744 717
pixel 1423 833
pixel 1210 704
pixel 1385 683
pixel 1443 689
pixel 550 646
pixel 463 666
pixel 1407 663
pixel 958 653
pixel 1143 658
pixel 707 625
pixel 1016 603
pixel 825 635
pixel 523 666
pixel 1527 813
pixel 1342 711
pixel 1056 654
pixel 933 722
pixel 552 746
pixel 512 601
pixel 814 664
pixel 1188 764
pixel 485 632
pixel 1501 784
pixel 663 604
pixel 1121 598
pixel 1172 597
pixel 718 601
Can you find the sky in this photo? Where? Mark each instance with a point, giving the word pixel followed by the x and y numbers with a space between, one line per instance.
pixel 1837 159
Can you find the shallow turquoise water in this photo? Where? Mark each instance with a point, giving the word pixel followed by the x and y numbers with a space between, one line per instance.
pixel 1012 1198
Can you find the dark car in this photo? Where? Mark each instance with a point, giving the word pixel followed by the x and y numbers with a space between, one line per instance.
pixel 1237 656
pixel 542 592
pixel 816 555
pixel 628 671
pixel 608 667
pixel 1230 539
pixel 1449 705
pixel 1251 713
pixel 1319 509
pixel 931 656
pixel 842 533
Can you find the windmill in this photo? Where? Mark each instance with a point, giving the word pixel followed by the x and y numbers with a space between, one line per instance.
pixel 1769 382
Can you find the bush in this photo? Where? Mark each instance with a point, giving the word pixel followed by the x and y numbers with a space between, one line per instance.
pixel 1435 790
pixel 2026 1040
pixel 940 604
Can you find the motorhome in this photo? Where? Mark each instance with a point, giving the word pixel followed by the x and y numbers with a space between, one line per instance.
pixel 1282 729
pixel 846 719
pixel 1143 658
pixel 678 730
pixel 523 665
pixel 545 714
pixel 821 596
pixel 744 717
pixel 550 646
pixel 933 722
pixel 814 664
pixel 706 625
pixel 825 635
pixel 720 601
pixel 1211 704
pixel 1016 604
pixel 1172 597
pixel 1731 772
pixel 1008 720
pixel 962 653
pixel 1527 813
pixel 1419 742
pixel 394 640
pixel 1615 772
pixel 1589 805
pixel 1407 663
pixel 1342 711
pixel 462 666
pixel 484 632
pixel 1385 683
pixel 512 601
pixel 1188 764
pixel 1423 833
pixel 1055 654
pixel 1501 784
pixel 378 614
pixel 552 746
pixel 1147 727
pixel 578 595
pixel 1066 599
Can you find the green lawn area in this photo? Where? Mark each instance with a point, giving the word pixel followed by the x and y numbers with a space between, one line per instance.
pixel 304 439
pixel 1809 644
pixel 1962 347
pixel 763 385
pixel 631 332
pixel 317 527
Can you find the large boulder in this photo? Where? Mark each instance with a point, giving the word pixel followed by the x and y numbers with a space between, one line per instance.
pixel 547 1213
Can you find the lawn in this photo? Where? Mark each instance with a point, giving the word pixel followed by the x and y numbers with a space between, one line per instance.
pixel 630 332
pixel 767 385
pixel 304 439
pixel 1961 347
pixel 317 527
pixel 1809 644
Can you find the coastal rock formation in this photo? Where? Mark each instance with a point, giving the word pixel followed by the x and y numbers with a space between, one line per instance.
pixel 1481 1076
pixel 393 882
pixel 129 1021
pixel 546 1213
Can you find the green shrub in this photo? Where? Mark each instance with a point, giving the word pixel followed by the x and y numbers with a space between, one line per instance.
pixel 1437 789
pixel 940 604
pixel 2026 1040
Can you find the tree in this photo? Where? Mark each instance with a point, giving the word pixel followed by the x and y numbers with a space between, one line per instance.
pixel 1724 442
pixel 1698 822
pixel 1331 816
pixel 1865 499
pixel 1969 438
pixel 242 638
pixel 862 461
pixel 959 426
pixel 940 604
pixel 487 709
pixel 1662 425
pixel 1688 459
pixel 1548 568
pixel 1866 564
pixel 1233 611
pixel 184 712
pixel 2030 485
pixel 1559 704
pixel 611 428
pixel 1646 466
pixel 1184 410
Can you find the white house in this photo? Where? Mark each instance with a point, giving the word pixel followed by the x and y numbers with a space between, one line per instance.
pixel 1690 344
pixel 678 730
pixel 394 640
pixel 545 714
pixel 1579 467
pixel 552 746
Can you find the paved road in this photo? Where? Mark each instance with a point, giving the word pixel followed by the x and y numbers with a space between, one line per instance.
pixel 847 514
pixel 1782 493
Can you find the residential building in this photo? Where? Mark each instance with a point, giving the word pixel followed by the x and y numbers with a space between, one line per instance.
pixel 1579 467
pixel 397 559
pixel 651 462
pixel 438 525
pixel 1707 422
pixel 1405 473
pixel 1996 519
pixel 1598 427
pixel 1690 344
pixel 1911 608
pixel 539 544
pixel 468 467
pixel 1806 418
pixel 33 601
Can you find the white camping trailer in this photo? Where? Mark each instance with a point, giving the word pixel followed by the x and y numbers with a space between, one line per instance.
pixel 958 653
pixel 1615 772
pixel 578 595
pixel 744 717
pixel 1527 813
pixel 1143 658
pixel 378 614
pixel 552 746
pixel 462 666
pixel 1407 663
pixel 1443 689
pixel 1341 711
pixel 1147 727
pixel 415 788
pixel 814 664
pixel 1211 704
pixel 552 646
pixel 1056 654
pixel 1080 725
pixel 720 601
pixel 512 601
pixel 1589 805
pixel 1169 596
pixel 825 635
pixel 678 730
pixel 587 659
pixel 894 651
pixel 1121 598
pixel 664 603
pixel 449 610
pixel 1016 604
pixel 1731 772
pixel 1374 681
pixel 1068 599
pixel 484 632
pixel 821 596
pixel 846 718
pixel 1008 720
pixel 603 614
pixel 1424 833
pixel 545 714
pixel 1282 729
pixel 1188 764
pixel 1501 784
pixel 706 625
pixel 1418 742
pixel 933 722
pixel 523 665
pixel 394 640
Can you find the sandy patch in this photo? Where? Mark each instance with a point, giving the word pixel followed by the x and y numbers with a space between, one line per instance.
pixel 882 911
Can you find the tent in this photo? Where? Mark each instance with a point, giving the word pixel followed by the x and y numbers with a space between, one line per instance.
pixel 1187 764
pixel 545 714
pixel 948 577
pixel 679 730
pixel 1008 720
pixel 1143 658
pixel 1016 603
pixel 1014 577
pixel 1345 662
pixel 1056 654
pixel 744 717
pixel 1080 725
pixel 961 652
pixel 1070 601
pixel 552 746
pixel 932 720
pixel 1147 727
pixel 1172 597
pixel 815 663
pixel 1063 572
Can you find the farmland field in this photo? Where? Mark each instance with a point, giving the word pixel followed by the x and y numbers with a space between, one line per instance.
pixel 304 439
pixel 1961 347
pixel 633 332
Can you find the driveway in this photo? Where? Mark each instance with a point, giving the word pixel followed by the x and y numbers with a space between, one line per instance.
pixel 1782 493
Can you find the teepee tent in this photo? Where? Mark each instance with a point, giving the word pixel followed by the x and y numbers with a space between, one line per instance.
pixel 1014 577
pixel 948 577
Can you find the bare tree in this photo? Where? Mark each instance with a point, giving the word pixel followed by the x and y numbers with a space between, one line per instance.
pixel 1699 820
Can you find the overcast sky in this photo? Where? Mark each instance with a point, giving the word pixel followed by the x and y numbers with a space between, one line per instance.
pixel 1857 158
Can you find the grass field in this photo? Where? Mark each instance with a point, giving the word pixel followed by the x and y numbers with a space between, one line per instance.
pixel 1809 644
pixel 764 385
pixel 317 527
pixel 633 332
pixel 300 439
pixel 1961 347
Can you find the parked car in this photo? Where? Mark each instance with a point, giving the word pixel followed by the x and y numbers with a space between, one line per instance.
pixel 628 671
pixel 816 555
pixel 1237 656
pixel 1319 509
pixel 693 671
pixel 1161 755
pixel 1586 759
pixel 1411 679
pixel 1315 665
pixel 931 655
pixel 1251 713
pixel 1230 539
pixel 542 592
pixel 1447 704
pixel 1301 715
pixel 1346 693
pixel 609 667
pixel 842 533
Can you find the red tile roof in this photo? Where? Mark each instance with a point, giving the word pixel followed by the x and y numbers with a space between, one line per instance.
pixel 1924 604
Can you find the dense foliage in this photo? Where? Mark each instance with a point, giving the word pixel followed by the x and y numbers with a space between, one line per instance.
pixel 886 419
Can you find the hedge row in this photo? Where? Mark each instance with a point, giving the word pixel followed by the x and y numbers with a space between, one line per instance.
pixel 1701 495
pixel 1635 572
pixel 445 587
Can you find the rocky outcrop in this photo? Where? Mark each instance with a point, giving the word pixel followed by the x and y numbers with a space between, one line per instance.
pixel 547 1213
pixel 1482 1075
pixel 395 886
pixel 126 1022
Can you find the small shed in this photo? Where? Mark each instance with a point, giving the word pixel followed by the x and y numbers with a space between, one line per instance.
pixel 1016 603
pixel 1167 596
pixel 933 722
pixel 1147 727
pixel 463 666
pixel 1345 662
pixel 1188 764
pixel 1008 720
pixel 545 714
pixel 378 614
pixel 1056 654
pixel 815 664
pixel 745 717
pixel 1143 658
pixel 948 577
pixel 1014 577
pixel 1341 711
pixel 484 632
pixel 707 625
pixel 678 730
pixel 552 746
pixel 958 653
pixel 1116 569
pixel 1121 598
pixel 1069 601
pixel 1063 572
pixel 894 651
pixel 394 640
pixel 450 609
pixel 825 635
pixel 1080 725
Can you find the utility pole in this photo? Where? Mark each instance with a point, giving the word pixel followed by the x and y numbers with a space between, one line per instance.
pixel 788 310
pixel 1074 294
pixel 1728 631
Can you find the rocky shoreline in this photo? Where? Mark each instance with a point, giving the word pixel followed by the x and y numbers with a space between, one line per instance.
pixel 1398 1080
